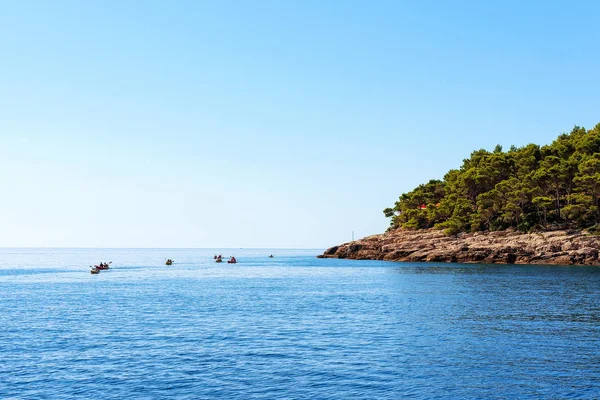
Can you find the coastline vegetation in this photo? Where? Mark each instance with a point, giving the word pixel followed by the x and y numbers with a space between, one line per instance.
pixel 529 188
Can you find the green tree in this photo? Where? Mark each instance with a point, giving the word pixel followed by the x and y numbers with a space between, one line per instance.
pixel 525 187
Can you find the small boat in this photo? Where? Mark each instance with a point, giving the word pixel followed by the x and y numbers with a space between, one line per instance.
pixel 271 256
pixel 102 266
pixel 94 271
pixel 169 262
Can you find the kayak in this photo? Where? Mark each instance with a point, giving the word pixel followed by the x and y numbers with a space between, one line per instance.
pixel 169 262
pixel 231 262
pixel 103 267
pixel 94 271
pixel 218 260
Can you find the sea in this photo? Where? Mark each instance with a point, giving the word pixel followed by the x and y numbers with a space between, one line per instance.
pixel 292 327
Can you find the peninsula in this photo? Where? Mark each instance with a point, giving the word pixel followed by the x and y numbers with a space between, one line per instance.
pixel 532 204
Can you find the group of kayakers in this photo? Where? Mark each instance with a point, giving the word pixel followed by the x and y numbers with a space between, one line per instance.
pixel 97 268
pixel 219 258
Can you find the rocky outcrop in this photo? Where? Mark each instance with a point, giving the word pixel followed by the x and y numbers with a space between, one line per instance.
pixel 504 247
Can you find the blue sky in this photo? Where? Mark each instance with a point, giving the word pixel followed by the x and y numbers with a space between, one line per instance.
pixel 267 123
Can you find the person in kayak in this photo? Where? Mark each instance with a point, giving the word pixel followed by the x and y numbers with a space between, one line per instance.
pixel 232 260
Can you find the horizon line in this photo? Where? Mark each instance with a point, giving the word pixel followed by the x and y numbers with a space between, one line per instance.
pixel 161 248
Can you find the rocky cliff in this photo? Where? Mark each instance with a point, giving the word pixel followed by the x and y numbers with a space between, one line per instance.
pixel 505 247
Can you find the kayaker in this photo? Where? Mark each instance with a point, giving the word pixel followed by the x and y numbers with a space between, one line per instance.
pixel 233 260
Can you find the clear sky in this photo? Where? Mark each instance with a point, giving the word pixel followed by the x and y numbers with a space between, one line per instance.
pixel 267 123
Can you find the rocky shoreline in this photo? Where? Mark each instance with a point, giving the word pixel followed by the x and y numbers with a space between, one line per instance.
pixel 562 247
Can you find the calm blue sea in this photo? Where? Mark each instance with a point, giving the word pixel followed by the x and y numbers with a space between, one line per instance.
pixel 292 327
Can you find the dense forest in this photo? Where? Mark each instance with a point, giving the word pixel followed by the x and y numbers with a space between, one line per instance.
pixel 529 188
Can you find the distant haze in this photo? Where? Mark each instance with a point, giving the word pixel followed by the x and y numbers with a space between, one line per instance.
pixel 267 124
